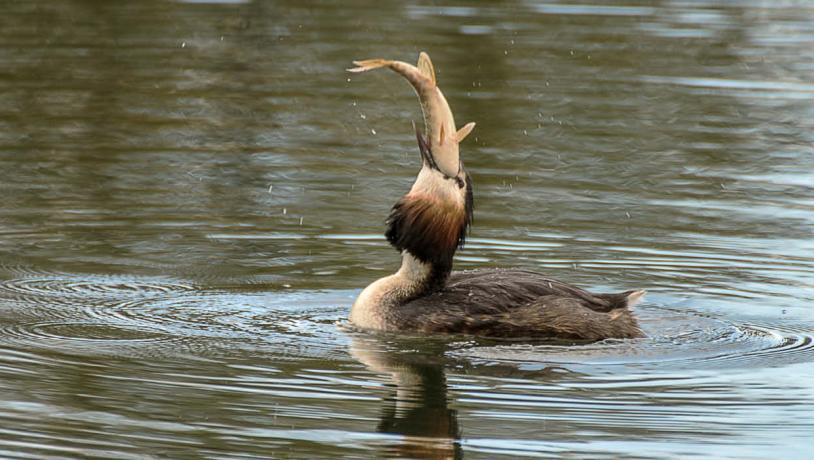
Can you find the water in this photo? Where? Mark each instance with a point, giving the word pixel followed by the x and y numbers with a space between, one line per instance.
pixel 193 193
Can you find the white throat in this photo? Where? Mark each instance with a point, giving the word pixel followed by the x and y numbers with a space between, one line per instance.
pixel 375 305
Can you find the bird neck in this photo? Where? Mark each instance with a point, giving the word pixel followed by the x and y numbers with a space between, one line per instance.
pixel 377 305
pixel 421 278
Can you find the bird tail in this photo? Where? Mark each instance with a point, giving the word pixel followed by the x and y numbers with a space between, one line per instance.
pixel 634 297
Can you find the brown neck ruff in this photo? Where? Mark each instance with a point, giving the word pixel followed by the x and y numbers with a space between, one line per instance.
pixel 430 229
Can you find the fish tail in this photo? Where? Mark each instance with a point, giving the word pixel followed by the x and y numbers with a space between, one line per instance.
pixel 369 64
pixel 421 77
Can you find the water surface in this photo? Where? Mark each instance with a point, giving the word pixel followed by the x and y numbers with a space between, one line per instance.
pixel 193 193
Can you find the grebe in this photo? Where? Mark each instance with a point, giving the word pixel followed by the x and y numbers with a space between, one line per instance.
pixel 429 223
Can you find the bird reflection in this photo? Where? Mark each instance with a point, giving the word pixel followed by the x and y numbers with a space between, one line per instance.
pixel 417 409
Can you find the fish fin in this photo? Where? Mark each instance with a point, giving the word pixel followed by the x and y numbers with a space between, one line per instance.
pixel 425 66
pixel 369 64
pixel 463 132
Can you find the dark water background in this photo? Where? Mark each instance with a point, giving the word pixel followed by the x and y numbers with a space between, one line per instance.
pixel 192 194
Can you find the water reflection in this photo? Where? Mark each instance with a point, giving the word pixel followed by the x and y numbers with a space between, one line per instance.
pixel 417 408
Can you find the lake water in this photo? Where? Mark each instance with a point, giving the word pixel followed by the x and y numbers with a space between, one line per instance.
pixel 193 193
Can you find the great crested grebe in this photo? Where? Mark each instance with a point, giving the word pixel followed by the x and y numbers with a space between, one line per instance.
pixel 430 222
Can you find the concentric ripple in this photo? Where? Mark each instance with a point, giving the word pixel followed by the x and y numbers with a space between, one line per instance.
pixel 127 315
pixel 144 315
pixel 26 281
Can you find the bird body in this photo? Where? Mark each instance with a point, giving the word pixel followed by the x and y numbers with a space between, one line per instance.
pixel 429 223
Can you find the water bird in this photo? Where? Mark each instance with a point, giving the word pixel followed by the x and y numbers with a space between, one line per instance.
pixel 428 225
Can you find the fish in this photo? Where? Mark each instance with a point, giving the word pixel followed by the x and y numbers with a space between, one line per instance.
pixel 440 132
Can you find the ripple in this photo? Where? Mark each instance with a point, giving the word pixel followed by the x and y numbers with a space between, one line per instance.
pixel 130 315
pixel 89 332
pixel 41 283
pixel 161 315
pixel 677 339
pixel 594 10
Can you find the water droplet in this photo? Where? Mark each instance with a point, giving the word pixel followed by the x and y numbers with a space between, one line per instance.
pixel 373 131
pixel 285 211
pixel 301 218
pixel 364 117
pixel 183 44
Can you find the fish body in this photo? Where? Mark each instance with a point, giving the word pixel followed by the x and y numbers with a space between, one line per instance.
pixel 439 125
